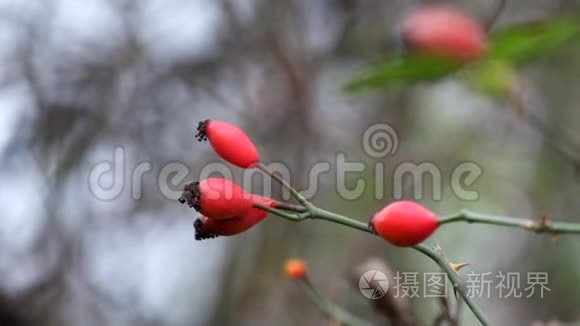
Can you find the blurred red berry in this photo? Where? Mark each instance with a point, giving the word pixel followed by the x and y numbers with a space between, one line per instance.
pixel 404 223
pixel 230 142
pixel 217 198
pixel 207 228
pixel 443 30
pixel 295 268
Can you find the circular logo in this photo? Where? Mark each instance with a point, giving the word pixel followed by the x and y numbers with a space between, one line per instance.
pixel 380 140
pixel 373 284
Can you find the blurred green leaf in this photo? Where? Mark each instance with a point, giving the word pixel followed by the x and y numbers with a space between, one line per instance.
pixel 522 43
pixel 492 77
pixel 403 69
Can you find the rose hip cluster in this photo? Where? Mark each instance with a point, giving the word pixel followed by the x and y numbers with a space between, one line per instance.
pixel 227 209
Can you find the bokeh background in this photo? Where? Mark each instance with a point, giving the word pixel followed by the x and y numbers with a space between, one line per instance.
pixel 79 78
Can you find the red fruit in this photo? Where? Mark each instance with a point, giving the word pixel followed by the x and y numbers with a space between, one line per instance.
pixel 217 198
pixel 230 142
pixel 295 268
pixel 207 228
pixel 404 223
pixel 444 31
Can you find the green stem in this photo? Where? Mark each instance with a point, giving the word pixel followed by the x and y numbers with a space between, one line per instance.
pixel 289 216
pixel 284 184
pixel 544 225
pixel 454 278
pixel 318 213
pixel 329 309
pixel 321 214
pixel 290 207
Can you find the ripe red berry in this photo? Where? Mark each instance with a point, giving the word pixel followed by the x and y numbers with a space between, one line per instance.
pixel 207 228
pixel 217 198
pixel 295 268
pixel 230 142
pixel 443 30
pixel 404 223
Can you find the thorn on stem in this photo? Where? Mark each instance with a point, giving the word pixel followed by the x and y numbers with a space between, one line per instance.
pixel 457 267
pixel 545 222
pixel 438 248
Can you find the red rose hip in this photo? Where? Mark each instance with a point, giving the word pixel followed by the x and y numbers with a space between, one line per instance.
pixel 230 142
pixel 217 198
pixel 207 228
pixel 404 223
pixel 443 30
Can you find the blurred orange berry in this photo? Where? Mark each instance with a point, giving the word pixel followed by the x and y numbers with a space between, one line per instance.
pixel 295 268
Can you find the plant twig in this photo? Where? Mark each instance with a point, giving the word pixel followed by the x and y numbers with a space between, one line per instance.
pixel 284 184
pixel 290 207
pixel 543 225
pixel 318 213
pixel 438 257
pixel 446 316
pixel 495 16
pixel 321 214
pixel 330 309
pixel 289 216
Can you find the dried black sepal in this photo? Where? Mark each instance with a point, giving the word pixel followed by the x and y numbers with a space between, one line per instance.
pixel 190 195
pixel 201 133
pixel 200 232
